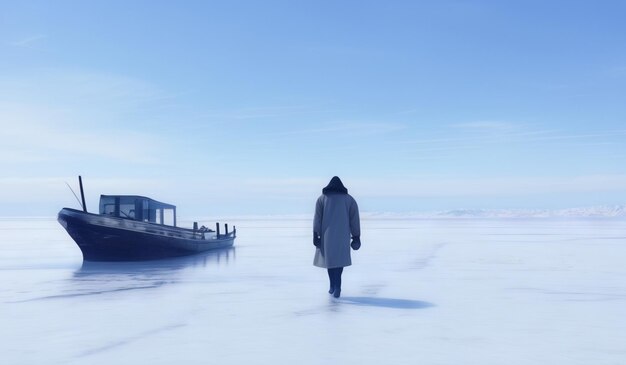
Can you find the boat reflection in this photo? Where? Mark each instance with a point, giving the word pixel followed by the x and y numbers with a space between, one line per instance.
pixel 155 269
pixel 103 278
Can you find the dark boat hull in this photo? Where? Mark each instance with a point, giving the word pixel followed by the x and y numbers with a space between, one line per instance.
pixel 103 238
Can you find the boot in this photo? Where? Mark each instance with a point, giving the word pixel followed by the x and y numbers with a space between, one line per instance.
pixel 331 290
pixel 336 292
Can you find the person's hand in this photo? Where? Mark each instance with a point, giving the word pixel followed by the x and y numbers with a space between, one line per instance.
pixel 356 243
pixel 317 240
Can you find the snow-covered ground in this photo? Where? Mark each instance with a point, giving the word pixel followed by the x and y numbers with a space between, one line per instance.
pixel 447 291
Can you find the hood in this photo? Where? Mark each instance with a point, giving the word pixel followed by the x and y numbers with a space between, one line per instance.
pixel 335 186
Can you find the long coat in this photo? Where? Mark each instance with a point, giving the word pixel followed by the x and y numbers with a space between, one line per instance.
pixel 336 219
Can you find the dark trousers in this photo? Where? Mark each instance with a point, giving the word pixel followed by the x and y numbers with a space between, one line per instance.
pixel 335 277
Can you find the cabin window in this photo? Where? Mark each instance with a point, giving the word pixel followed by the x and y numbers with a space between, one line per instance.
pixel 139 209
pixel 168 217
pixel 109 209
pixel 127 211
pixel 145 209
pixel 108 205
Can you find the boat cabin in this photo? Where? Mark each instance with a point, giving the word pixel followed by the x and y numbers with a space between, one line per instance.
pixel 138 208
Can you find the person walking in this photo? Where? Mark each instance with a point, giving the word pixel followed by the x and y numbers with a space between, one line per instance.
pixel 336 221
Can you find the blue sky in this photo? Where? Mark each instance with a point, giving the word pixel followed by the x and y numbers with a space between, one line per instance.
pixel 242 107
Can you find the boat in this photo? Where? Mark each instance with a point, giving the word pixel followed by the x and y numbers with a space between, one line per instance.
pixel 137 228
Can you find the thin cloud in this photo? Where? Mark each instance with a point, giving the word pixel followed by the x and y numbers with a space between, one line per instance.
pixel 82 90
pixel 407 111
pixel 251 113
pixel 474 141
pixel 480 138
pixel 517 186
pixel 611 133
pixel 42 132
pixel 53 115
pixel 488 125
pixel 348 127
pixel 28 42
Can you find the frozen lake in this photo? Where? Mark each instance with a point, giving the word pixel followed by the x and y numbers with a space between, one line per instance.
pixel 420 291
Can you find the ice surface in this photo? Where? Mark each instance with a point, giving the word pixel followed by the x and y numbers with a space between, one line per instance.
pixel 419 292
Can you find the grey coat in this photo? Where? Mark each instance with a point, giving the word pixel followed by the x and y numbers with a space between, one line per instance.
pixel 336 219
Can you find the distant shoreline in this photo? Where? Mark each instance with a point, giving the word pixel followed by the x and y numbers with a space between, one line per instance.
pixel 594 212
